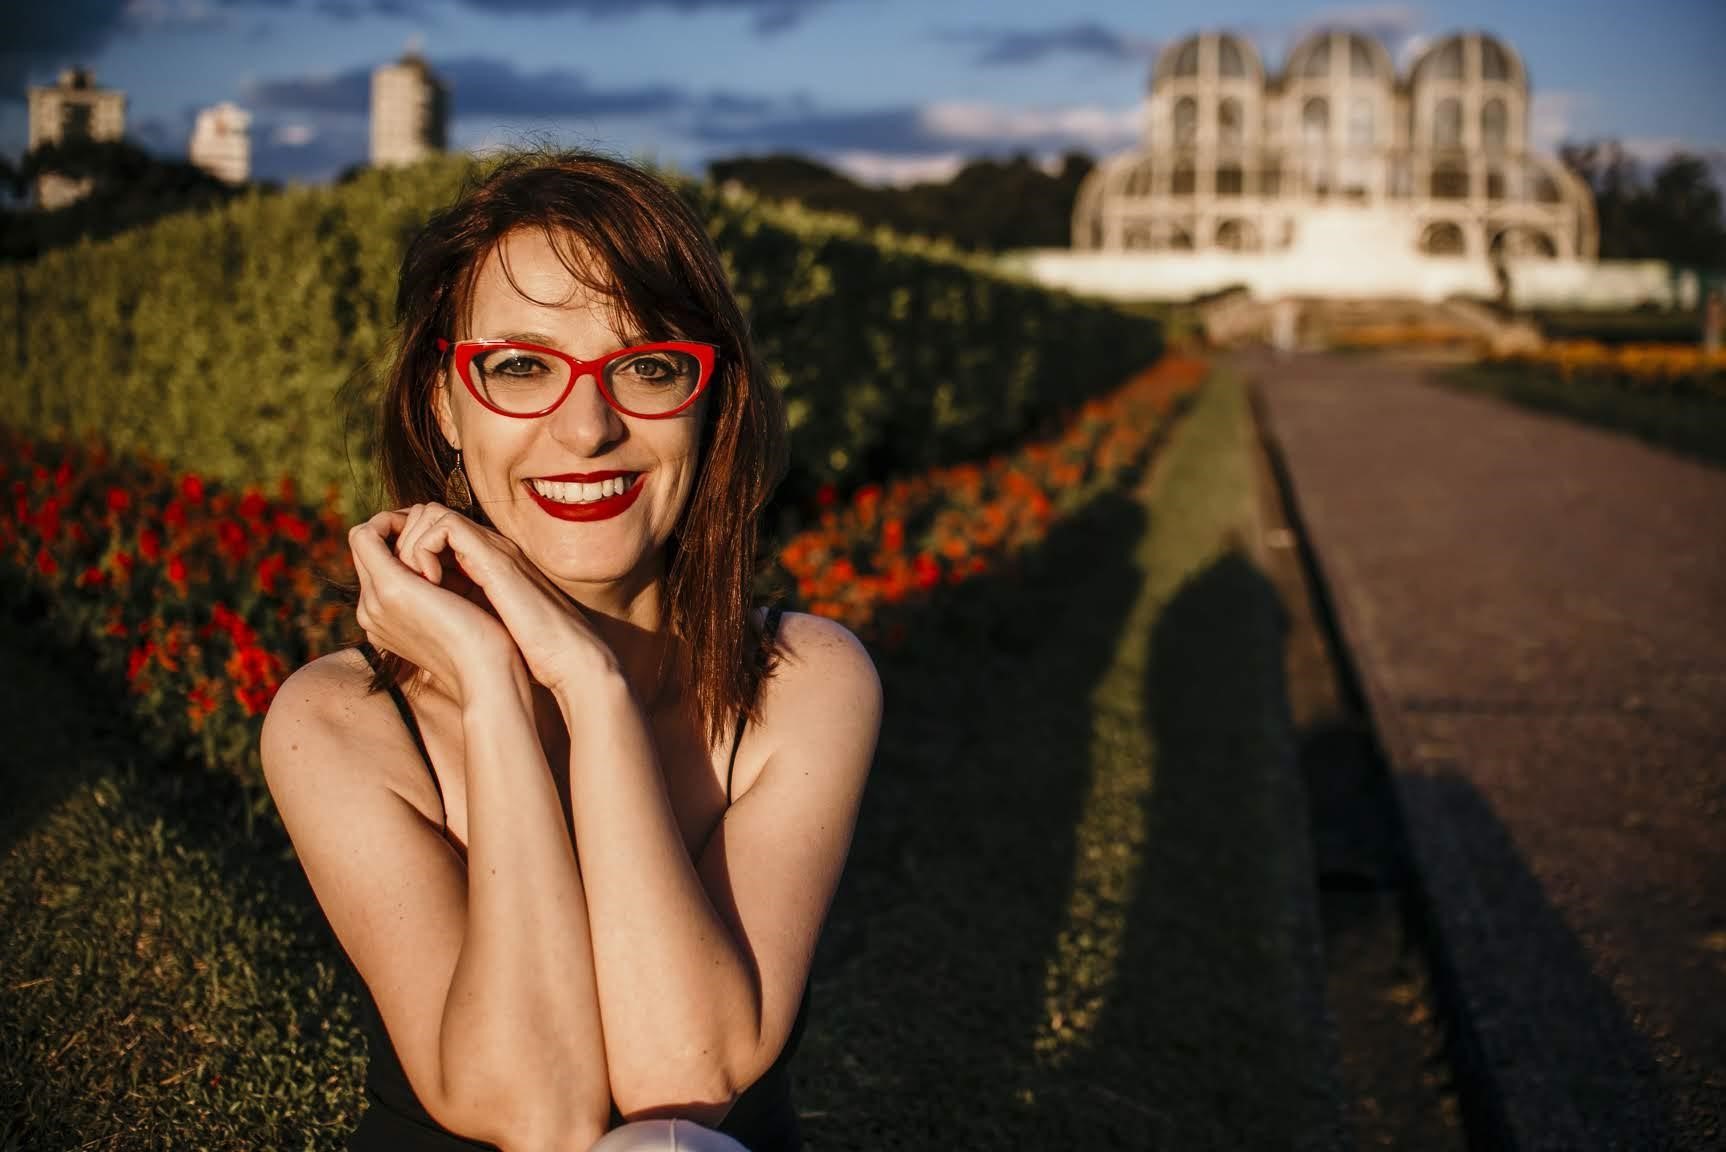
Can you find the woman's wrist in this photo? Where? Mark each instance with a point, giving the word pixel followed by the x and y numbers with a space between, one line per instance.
pixel 485 684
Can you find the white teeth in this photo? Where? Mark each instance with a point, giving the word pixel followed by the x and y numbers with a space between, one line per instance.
pixel 572 493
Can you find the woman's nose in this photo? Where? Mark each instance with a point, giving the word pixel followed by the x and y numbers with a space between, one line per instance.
pixel 585 421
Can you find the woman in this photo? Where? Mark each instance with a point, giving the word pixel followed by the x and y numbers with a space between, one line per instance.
pixel 582 862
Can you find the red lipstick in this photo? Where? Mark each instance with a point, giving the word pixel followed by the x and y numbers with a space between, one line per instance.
pixel 598 509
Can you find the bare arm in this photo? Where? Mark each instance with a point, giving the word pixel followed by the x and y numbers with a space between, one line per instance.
pixel 521 1029
pixel 701 965
pixel 483 976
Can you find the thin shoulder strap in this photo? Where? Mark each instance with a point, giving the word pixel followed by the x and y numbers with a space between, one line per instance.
pixel 371 656
pixel 770 629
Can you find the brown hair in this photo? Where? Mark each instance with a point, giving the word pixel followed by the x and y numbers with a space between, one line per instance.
pixel 661 274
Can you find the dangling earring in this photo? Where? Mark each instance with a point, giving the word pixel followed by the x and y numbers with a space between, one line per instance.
pixel 456 492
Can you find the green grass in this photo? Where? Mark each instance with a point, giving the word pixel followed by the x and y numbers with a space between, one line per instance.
pixel 1694 425
pixel 1078 911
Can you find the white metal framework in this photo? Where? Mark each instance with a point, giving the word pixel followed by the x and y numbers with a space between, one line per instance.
pixel 1234 158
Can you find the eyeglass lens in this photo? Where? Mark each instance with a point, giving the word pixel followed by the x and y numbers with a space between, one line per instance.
pixel 525 381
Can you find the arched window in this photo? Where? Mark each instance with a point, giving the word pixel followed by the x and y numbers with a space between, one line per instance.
pixel 1137 236
pixel 1449 180
pixel 1495 183
pixel 1494 62
pixel 1187 61
pixel 1237 236
pixel 1360 122
pixel 1271 178
pixel 1546 189
pixel 1443 239
pixel 1180 238
pixel 1230 62
pixel 1521 242
pixel 1360 62
pixel 1315 123
pixel 1230 129
pixel 1183 181
pixel 1139 180
pixel 1186 122
pixel 1494 126
pixel 1447 123
pixel 1229 180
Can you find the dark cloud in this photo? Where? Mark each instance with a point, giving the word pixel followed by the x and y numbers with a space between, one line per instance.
pixel 344 94
pixel 1007 47
pixel 484 86
pixel 49 35
pixel 771 16
pixel 893 129
pixel 479 86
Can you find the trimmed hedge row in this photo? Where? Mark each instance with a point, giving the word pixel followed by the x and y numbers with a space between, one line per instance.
pixel 222 341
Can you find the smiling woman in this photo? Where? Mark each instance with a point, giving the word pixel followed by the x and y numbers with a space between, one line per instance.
pixel 582 855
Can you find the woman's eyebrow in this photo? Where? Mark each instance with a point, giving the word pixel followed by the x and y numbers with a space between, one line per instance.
pixel 629 340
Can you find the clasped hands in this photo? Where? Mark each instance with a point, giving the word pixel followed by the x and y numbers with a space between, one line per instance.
pixel 473 617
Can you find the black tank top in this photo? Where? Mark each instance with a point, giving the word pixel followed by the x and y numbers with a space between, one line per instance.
pixel 763 1119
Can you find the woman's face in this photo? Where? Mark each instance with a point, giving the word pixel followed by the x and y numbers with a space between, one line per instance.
pixel 502 454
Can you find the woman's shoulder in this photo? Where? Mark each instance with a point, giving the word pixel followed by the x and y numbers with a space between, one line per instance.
pixel 326 687
pixel 329 700
pixel 822 663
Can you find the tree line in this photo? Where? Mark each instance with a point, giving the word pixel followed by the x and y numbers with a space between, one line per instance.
pixel 1671 213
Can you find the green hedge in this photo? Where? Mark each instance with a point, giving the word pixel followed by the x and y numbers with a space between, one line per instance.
pixel 221 341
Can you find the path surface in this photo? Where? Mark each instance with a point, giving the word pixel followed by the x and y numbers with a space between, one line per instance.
pixel 1537 612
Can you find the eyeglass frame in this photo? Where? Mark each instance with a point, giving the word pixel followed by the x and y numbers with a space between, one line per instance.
pixel 463 352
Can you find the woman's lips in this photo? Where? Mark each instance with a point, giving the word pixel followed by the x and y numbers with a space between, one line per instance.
pixel 598 510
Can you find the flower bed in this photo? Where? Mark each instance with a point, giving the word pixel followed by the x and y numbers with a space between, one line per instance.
pixel 896 543
pixel 1668 369
pixel 204 598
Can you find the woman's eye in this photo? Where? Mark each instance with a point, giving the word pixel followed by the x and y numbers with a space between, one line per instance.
pixel 515 366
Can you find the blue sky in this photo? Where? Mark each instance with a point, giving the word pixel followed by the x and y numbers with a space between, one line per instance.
pixel 886 89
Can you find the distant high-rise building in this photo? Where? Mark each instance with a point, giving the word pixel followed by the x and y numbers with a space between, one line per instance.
pixel 222 143
pixel 410 110
pixel 74 109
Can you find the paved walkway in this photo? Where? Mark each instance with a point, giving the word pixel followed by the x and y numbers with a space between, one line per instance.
pixel 1537 611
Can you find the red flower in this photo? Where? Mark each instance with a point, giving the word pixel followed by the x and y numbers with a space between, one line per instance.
pixel 928 572
pixel 140 656
pixel 232 538
pixel 174 515
pixel 826 495
pixel 91 576
pixel 293 527
pixel 893 535
pixel 192 488
pixel 252 505
pixel 45 562
pixel 119 499
pixel 149 547
pixel 176 569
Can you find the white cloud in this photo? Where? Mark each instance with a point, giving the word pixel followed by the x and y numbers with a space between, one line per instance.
pixel 1553 117
pixel 1656 150
pixel 900 171
pixel 1100 128
pixel 295 134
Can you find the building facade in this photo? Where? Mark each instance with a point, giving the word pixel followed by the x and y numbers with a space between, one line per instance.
pixel 222 143
pixel 410 112
pixel 1336 175
pixel 73 109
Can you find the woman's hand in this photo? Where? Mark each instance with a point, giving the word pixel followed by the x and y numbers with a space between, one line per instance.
pixel 545 626
pixel 450 632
